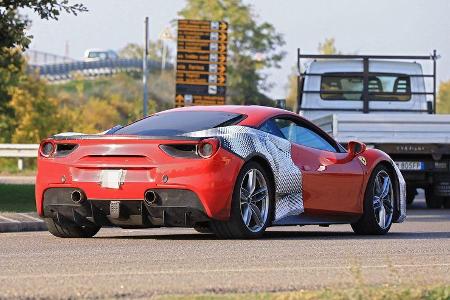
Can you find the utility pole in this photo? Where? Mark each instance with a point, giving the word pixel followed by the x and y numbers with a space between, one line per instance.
pixel 164 53
pixel 144 68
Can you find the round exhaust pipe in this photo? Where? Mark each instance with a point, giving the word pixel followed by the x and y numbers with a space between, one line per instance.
pixel 77 197
pixel 150 197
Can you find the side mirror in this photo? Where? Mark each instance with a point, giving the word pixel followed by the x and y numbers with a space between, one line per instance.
pixel 355 148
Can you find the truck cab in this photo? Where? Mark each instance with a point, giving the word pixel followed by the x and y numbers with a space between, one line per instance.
pixel 342 86
pixel 384 102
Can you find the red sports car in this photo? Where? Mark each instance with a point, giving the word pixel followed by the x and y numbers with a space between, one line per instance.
pixel 229 170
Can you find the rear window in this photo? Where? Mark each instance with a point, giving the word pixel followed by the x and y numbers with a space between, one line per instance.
pixel 180 122
pixel 387 87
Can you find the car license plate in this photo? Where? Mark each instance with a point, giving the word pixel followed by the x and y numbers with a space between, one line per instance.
pixel 112 179
pixel 410 165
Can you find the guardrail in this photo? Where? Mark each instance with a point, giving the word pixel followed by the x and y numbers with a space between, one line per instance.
pixel 67 71
pixel 19 151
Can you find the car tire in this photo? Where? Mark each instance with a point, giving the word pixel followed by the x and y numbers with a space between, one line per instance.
pixel 202 228
pixel 379 203
pixel 410 195
pixel 62 231
pixel 433 201
pixel 251 205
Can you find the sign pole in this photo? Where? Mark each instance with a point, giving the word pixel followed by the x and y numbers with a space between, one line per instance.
pixel 144 69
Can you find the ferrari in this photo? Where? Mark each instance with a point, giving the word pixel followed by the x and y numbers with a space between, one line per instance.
pixel 228 170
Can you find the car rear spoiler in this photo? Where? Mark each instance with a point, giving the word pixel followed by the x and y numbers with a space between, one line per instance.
pixel 125 137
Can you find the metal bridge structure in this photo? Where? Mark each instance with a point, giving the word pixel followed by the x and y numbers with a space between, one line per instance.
pixel 56 68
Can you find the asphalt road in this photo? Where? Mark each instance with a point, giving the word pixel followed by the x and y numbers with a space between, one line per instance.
pixel 142 263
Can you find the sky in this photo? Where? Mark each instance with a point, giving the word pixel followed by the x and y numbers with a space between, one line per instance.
pixel 399 27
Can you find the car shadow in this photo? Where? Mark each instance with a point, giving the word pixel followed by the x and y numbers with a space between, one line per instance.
pixel 295 235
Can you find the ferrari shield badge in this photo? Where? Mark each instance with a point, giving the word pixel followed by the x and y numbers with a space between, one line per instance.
pixel 363 160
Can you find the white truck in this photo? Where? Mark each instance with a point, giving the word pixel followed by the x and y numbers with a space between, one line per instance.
pixel 383 101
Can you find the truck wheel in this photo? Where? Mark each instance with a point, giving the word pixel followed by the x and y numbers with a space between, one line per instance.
pixel 447 202
pixel 432 200
pixel 62 231
pixel 410 195
pixel 379 204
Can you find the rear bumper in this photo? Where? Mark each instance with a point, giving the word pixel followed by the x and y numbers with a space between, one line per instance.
pixel 172 207
pixel 211 180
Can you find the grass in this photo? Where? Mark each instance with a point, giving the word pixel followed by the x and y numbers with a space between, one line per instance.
pixel 357 293
pixel 8 166
pixel 17 198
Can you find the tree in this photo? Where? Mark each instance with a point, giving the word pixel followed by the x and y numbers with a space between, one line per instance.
pixel 443 100
pixel 94 105
pixel 253 47
pixel 155 51
pixel 13 25
pixel 35 114
pixel 291 98
pixel 327 47
pixel 11 70
pixel 13 40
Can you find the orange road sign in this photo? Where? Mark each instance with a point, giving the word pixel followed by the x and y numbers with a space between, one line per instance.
pixel 201 62
pixel 199 82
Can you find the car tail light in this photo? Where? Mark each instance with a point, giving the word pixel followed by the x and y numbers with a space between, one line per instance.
pixel 180 150
pixel 208 147
pixel 204 149
pixel 51 149
pixel 47 149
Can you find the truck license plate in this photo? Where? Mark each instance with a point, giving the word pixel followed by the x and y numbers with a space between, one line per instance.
pixel 410 165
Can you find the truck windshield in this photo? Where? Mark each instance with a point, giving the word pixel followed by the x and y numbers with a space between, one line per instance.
pixel 180 122
pixel 345 86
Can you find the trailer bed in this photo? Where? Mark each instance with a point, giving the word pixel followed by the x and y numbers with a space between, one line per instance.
pixel 387 128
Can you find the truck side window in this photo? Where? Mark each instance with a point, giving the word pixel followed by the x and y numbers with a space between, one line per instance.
pixel 381 87
pixel 301 135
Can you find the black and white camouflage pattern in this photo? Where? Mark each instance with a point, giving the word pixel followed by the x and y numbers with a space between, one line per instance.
pixel 245 142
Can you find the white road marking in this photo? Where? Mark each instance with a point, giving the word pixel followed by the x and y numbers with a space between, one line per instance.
pixel 9 220
pixel 203 271
pixel 438 216
pixel 30 217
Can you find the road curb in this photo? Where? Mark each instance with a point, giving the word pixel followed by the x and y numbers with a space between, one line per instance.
pixel 22 226
pixel 19 222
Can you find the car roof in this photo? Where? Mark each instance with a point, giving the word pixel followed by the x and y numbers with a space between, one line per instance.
pixel 255 114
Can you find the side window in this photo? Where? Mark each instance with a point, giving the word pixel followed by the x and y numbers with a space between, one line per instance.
pixel 298 134
pixel 271 127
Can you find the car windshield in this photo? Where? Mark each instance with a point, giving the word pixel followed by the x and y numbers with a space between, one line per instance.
pixel 180 122
pixel 97 55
